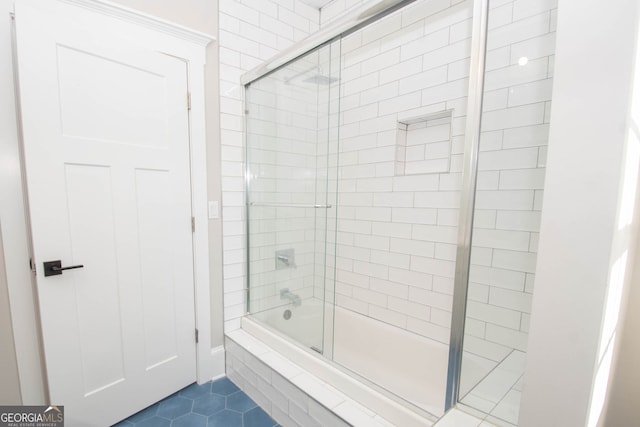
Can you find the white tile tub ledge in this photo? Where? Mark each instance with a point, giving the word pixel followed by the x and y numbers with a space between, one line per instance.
pixel 350 401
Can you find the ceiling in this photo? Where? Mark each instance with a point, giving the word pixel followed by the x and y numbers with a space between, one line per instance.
pixel 316 3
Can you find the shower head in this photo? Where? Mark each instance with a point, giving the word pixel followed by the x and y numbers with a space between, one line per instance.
pixel 320 79
pixel 313 75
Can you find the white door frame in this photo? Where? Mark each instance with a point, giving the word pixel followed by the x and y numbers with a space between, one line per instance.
pixel 158 35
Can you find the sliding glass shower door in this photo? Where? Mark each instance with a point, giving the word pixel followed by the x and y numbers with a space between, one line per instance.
pixel 404 96
pixel 288 124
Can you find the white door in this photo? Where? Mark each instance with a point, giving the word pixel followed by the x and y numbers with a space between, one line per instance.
pixel 106 148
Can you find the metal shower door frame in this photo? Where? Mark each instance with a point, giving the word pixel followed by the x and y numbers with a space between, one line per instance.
pixel 467 200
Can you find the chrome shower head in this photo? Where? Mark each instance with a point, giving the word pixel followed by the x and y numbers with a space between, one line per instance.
pixel 320 79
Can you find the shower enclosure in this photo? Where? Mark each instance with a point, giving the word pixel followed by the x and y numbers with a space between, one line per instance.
pixel 394 180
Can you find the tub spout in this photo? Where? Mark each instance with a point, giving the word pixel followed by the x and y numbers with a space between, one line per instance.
pixel 285 293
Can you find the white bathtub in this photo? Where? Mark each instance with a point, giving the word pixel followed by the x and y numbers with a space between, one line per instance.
pixel 398 363
pixel 305 325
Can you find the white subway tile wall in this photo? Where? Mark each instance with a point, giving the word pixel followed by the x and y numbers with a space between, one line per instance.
pixel 282 133
pixel 336 9
pixel 513 153
pixel 251 31
pixel 404 81
pixel 274 383
pixel 396 235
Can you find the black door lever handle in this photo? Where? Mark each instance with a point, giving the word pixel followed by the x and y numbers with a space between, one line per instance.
pixel 54 268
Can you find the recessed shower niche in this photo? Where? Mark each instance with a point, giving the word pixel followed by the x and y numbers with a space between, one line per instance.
pixel 424 144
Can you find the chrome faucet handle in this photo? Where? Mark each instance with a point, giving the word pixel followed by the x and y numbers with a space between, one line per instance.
pixel 285 258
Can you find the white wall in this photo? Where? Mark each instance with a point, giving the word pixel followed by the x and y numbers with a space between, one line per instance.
pixel 9 381
pixel 14 231
pixel 577 252
pixel 623 392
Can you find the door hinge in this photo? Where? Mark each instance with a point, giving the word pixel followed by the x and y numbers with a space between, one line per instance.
pixel 32 266
pixel 197 337
pixel 193 224
pixel 189 101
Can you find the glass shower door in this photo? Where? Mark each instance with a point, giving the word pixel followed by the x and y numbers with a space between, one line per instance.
pixel 287 199
pixel 403 109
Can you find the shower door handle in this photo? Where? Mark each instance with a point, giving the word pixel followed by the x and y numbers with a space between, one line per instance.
pixel 55 268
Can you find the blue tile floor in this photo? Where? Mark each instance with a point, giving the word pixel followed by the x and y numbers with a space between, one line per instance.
pixel 215 404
